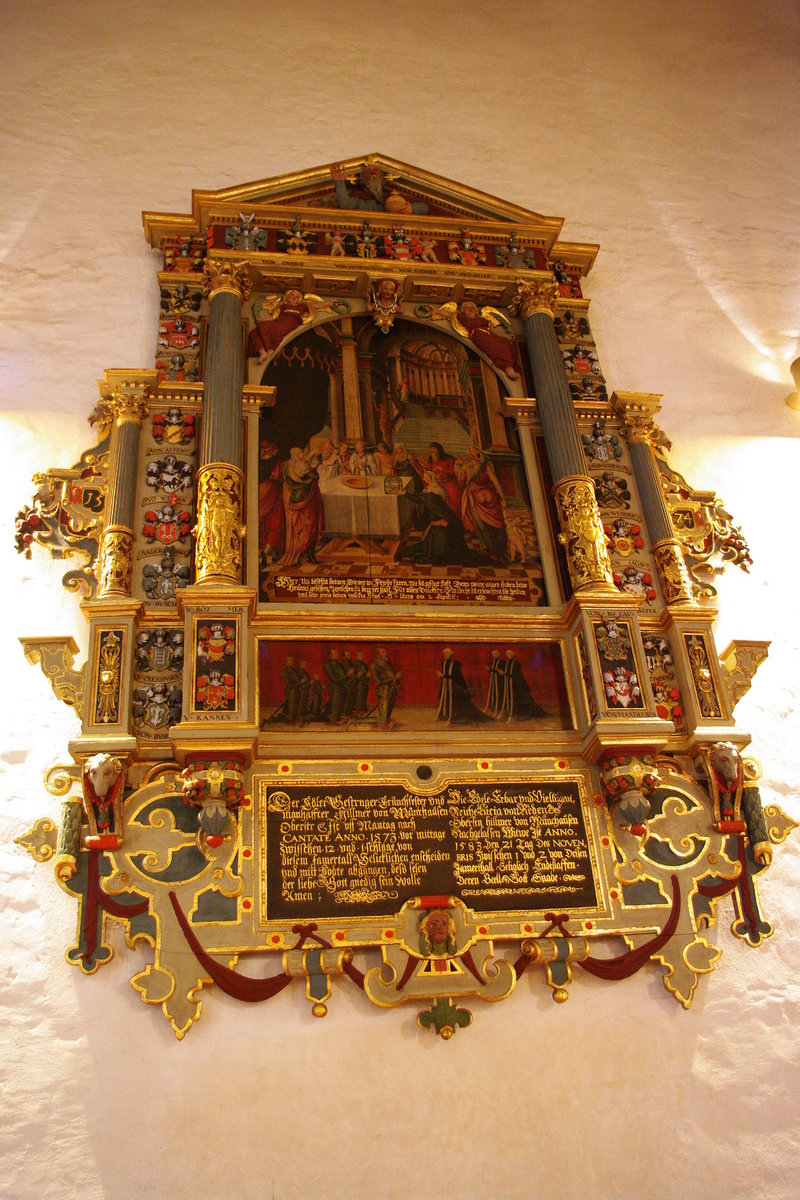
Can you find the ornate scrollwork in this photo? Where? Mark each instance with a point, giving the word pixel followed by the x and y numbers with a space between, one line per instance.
pixel 218 552
pixel 61 778
pixel 39 840
pixel 66 515
pixel 582 533
pixel 705 530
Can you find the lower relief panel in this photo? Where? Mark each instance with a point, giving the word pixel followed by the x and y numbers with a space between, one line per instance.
pixel 431 884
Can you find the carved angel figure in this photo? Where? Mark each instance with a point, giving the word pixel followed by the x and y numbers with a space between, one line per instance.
pixel 479 328
pixel 277 317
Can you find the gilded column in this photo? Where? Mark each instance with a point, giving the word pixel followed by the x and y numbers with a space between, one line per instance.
pixel 581 527
pixel 636 411
pixel 220 477
pixel 126 396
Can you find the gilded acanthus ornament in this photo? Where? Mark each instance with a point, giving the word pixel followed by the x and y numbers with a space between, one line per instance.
pixel 534 298
pixel 115 563
pixel 129 408
pixel 218 553
pixel 673 572
pixel 636 412
pixel 641 428
pixel 227 275
pixel 582 533
pixel 125 395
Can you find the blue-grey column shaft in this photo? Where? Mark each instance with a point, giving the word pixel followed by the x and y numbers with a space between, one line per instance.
pixel 121 495
pixel 221 437
pixel 125 397
pixel 554 403
pixel 579 517
pixel 636 412
pixel 656 512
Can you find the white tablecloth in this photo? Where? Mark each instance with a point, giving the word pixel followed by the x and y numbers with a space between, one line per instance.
pixel 360 512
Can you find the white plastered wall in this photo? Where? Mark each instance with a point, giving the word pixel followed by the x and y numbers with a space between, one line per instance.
pixel 666 132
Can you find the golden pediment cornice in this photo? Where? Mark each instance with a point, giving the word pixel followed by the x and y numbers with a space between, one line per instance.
pixel 277 201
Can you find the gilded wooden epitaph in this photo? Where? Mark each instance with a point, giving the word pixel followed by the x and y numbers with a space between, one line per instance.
pixel 400 636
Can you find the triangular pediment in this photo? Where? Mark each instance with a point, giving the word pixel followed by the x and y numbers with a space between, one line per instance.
pixel 314 188
pixel 406 192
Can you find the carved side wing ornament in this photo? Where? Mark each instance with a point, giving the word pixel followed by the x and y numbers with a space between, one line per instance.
pixel 740 660
pixel 706 531
pixel 66 513
pixel 56 656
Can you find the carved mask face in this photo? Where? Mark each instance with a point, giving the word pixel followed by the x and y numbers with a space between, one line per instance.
pixel 437 925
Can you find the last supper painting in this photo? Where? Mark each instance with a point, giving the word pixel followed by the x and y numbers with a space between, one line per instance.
pixel 388 471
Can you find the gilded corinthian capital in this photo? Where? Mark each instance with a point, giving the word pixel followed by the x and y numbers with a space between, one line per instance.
pixel 582 534
pixel 218 553
pixel 226 275
pixel 636 411
pixel 534 298
pixel 125 395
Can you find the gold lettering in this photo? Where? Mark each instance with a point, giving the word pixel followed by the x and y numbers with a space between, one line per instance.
pixel 525 844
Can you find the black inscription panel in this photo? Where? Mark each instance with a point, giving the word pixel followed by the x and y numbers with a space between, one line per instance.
pixel 369 848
